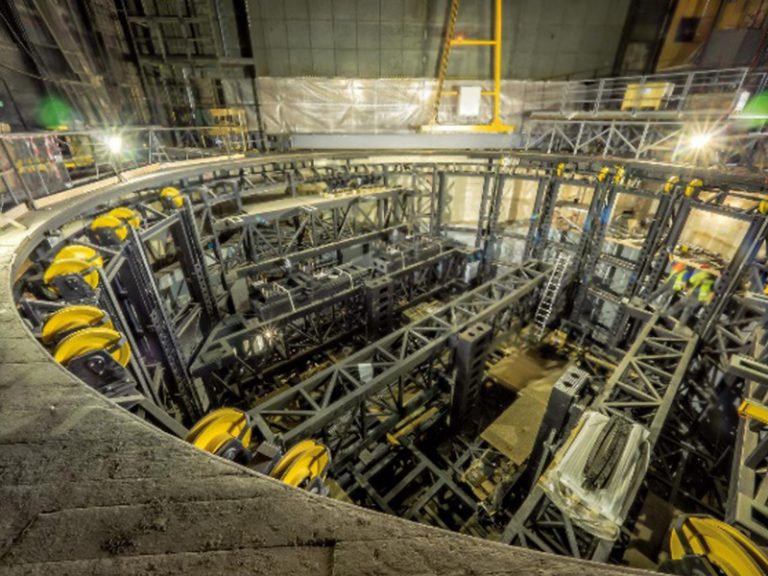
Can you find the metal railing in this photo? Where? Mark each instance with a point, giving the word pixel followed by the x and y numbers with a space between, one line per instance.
pixel 648 118
pixel 35 165
pixel 679 93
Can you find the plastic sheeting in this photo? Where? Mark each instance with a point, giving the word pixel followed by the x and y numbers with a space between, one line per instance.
pixel 600 511
pixel 386 105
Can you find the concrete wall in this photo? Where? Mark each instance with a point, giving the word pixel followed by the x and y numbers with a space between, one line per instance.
pixel 372 38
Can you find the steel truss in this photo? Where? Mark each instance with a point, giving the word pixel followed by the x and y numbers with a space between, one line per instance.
pixel 304 229
pixel 409 483
pixel 369 384
pixel 304 330
pixel 626 138
pixel 748 497
pixel 695 466
pixel 153 329
pixel 745 340
pixel 642 390
pixel 619 135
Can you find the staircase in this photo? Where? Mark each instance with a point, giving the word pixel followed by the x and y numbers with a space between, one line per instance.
pixel 550 294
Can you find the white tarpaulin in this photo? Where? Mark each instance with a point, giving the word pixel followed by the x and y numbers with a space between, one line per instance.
pixel 386 105
pixel 599 511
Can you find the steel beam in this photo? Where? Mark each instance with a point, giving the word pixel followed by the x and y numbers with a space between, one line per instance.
pixel 311 405
pixel 641 389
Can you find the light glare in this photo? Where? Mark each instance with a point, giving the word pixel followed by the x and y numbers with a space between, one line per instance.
pixel 114 144
pixel 702 140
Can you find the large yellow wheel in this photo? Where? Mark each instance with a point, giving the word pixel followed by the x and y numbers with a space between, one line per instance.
pixel 127 215
pixel 105 221
pixel 91 340
pixel 304 463
pixel 73 318
pixel 173 196
pixel 721 544
pixel 218 429
pixel 68 266
pixel 80 252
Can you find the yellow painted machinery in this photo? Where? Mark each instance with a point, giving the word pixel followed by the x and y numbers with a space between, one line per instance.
pixel 702 545
pixel 112 227
pixel 73 274
pixel 227 122
pixel 108 230
pixel 127 215
pixel 80 252
pixel 670 184
pixel 93 339
pixel 97 354
pixel 753 410
pixel 171 197
pixel 692 187
pixel 71 319
pixel 305 466
pixel 225 432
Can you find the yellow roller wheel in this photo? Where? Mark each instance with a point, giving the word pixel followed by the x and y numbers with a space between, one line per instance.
pixel 721 544
pixel 73 318
pixel 127 215
pixel 67 266
pixel 106 221
pixel 91 340
pixel 692 186
pixel 671 183
pixel 172 195
pixel 80 252
pixel 303 464
pixel 218 430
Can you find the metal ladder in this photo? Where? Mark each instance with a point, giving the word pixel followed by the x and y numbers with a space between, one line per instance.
pixel 550 294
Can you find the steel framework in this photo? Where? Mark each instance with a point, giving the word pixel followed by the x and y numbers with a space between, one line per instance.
pixel 642 390
pixel 371 381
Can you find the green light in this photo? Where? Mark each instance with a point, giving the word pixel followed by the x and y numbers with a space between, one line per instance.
pixel 54 113
pixel 756 106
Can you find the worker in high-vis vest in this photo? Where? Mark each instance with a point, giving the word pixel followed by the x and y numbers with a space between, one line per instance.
pixel 703 285
pixel 680 275
pixel 672 288
pixel 700 292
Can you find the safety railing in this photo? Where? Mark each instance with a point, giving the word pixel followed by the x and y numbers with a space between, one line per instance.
pixel 550 116
pixel 680 93
pixel 35 165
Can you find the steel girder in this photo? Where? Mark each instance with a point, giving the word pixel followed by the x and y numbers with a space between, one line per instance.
pixel 591 241
pixel 307 228
pixel 137 293
pixel 607 138
pixel 389 483
pixel 742 350
pixel 269 264
pixel 541 217
pixel 187 240
pixel 315 403
pixel 322 322
pixel 641 389
pixel 748 498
